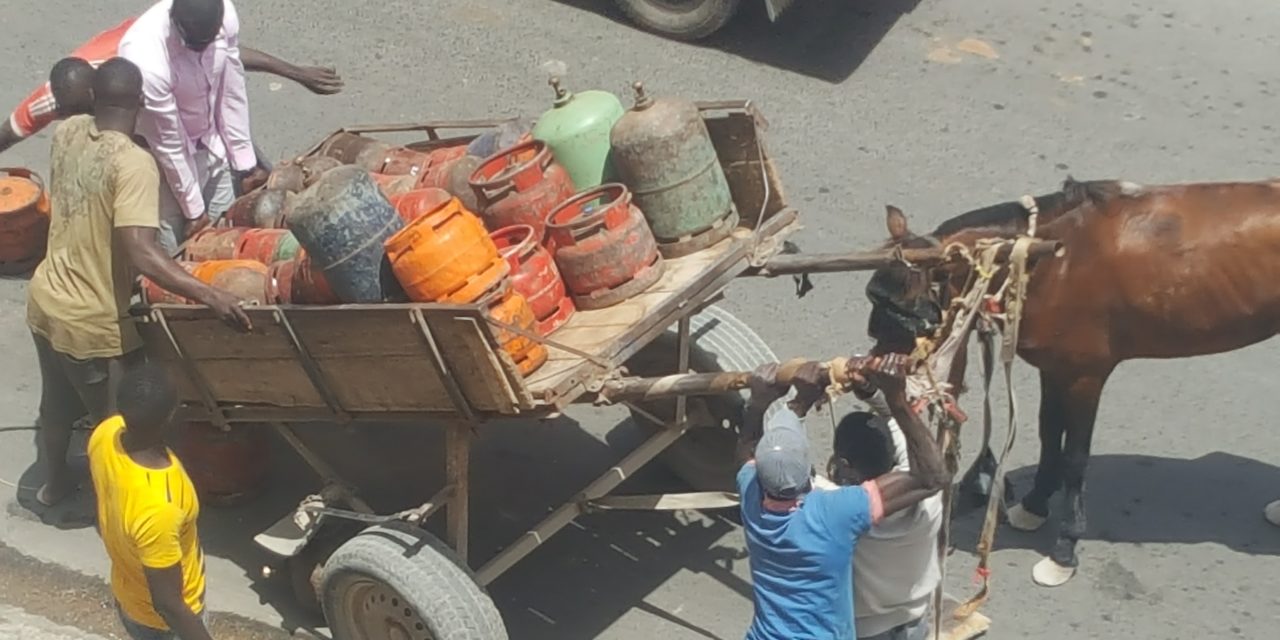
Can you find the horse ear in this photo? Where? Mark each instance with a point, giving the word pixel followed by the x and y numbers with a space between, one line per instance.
pixel 896 221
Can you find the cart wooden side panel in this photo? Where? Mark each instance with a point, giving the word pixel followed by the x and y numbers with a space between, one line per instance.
pixel 337 362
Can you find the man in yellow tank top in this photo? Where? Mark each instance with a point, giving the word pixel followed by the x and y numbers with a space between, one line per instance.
pixel 147 512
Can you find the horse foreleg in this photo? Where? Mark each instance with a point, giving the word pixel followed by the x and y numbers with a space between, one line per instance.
pixel 1082 411
pixel 1033 511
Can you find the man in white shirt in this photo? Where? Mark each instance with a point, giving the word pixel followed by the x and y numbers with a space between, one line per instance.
pixel 196 120
pixel 895 565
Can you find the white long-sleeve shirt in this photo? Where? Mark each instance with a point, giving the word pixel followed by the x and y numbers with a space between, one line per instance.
pixel 192 99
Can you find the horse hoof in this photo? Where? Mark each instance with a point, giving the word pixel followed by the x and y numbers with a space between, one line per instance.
pixel 1023 520
pixel 1048 573
pixel 1272 513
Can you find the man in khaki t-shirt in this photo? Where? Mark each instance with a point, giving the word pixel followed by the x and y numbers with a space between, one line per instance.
pixel 104 193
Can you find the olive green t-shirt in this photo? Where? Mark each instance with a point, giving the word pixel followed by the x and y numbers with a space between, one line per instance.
pixel 78 298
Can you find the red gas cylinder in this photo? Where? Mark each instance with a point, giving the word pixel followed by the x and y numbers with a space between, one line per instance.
pixel 392 186
pixel 153 293
pixel 603 247
pixel 295 282
pixel 401 161
pixel 214 244
pixel 419 202
pixel 267 245
pixel 534 275
pixel 520 185
pixel 226 467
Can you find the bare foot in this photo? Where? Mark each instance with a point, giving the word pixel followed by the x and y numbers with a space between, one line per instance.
pixel 53 492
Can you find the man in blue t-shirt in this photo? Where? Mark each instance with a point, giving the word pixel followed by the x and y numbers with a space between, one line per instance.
pixel 800 541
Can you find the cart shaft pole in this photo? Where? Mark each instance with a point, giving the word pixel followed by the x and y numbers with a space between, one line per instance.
pixel 871 260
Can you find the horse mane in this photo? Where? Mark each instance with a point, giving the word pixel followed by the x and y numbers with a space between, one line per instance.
pixel 1011 217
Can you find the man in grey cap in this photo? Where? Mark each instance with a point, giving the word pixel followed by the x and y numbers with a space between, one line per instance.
pixel 801 541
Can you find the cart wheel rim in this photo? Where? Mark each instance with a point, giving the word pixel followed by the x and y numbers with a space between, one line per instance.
pixel 377 612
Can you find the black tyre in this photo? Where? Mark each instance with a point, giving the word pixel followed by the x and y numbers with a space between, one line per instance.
pixel 681 19
pixel 398 581
pixel 704 457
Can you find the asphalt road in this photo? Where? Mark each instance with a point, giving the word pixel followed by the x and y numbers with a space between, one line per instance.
pixel 936 107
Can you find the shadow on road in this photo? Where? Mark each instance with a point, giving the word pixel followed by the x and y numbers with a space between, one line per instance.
pixel 1138 499
pixel 575 586
pixel 821 39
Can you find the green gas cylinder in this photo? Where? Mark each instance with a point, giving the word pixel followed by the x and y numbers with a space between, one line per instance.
pixel 576 130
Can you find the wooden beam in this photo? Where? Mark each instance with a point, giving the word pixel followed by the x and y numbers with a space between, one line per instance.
pixel 871 260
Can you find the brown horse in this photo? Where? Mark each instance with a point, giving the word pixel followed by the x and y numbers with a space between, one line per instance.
pixel 1148 272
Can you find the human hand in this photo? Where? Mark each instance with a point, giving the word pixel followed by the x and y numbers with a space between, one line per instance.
pixel 254 178
pixel 229 308
pixel 323 81
pixel 764 386
pixel 888 372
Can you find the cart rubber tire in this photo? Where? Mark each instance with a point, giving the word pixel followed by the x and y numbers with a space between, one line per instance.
pixel 704 457
pixel 419 580
pixel 681 19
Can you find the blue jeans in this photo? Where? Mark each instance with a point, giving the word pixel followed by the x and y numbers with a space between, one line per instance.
pixel 139 631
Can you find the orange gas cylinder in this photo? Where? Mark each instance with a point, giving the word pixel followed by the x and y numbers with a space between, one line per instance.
pixel 534 275
pixel 510 308
pixel 446 256
pixel 214 244
pixel 245 278
pixel 410 206
pixel 295 282
pixel 227 468
pixel 24 221
pixel 153 293
pixel 392 186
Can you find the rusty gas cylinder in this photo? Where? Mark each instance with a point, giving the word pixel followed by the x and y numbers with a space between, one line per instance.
pixel 508 307
pixel 520 185
pixel 153 293
pixel 24 221
pixel 401 161
pixel 419 202
pixel 287 176
pixel 604 249
pixel 247 279
pixel 267 245
pixel 534 275
pixel 373 157
pixel 214 244
pixel 446 256
pixel 260 208
pixel 295 282
pixel 346 147
pixel 227 468
pixel 663 153
pixel 392 186
pixel 314 167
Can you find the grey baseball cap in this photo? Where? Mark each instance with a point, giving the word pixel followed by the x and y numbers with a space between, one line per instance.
pixel 783 467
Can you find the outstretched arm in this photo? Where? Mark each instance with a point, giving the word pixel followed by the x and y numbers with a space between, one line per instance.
pixel 928 475
pixel 319 80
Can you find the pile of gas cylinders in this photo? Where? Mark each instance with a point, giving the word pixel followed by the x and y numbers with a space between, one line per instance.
pixel 578 211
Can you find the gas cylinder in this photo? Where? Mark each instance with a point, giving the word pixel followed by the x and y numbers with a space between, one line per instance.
pixel 373 157
pixel 287 176
pixel 24 221
pixel 404 162
pixel 295 282
pixel 153 293
pixel 577 131
pixel 342 221
pixel 507 134
pixel 508 307
pixel 392 186
pixel 314 167
pixel 226 468
pixel 604 249
pixel 534 275
pixel 520 185
pixel 261 208
pixel 346 147
pixel 247 279
pixel 664 155
pixel 419 202
pixel 267 245
pixel 452 175
pixel 214 244
pixel 446 256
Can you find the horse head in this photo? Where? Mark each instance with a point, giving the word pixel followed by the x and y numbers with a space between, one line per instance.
pixel 906 299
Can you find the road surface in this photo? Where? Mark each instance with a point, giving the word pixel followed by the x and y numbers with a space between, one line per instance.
pixel 937 107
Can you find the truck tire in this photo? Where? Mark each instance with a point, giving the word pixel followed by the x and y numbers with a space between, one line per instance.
pixel 398 581
pixel 704 457
pixel 681 19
